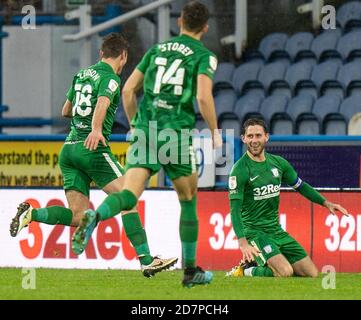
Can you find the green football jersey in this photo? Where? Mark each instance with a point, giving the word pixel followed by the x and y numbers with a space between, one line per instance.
pixel 258 184
pixel 89 84
pixel 170 82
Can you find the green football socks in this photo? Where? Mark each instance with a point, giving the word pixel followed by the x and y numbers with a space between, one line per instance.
pixel 137 236
pixel 260 272
pixel 188 229
pixel 52 215
pixel 115 203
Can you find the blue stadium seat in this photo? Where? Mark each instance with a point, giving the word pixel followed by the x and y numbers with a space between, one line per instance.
pixel 326 109
pixel 200 123
pixel 349 45
pixel 335 86
pixel 324 45
pixel 272 75
pixel 224 101
pixel 308 125
pixel 300 105
pixel 298 76
pixel 324 72
pixel 121 124
pixel 282 126
pixel 272 106
pixel 251 55
pixel 230 121
pixel 349 76
pixel 223 76
pixel 349 15
pixel 245 77
pixel 273 46
pixel 335 127
pixel 350 106
pixel 248 106
pixel 298 46
pixel 300 111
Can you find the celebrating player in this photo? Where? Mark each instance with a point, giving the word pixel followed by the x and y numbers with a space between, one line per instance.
pixel 86 156
pixel 171 73
pixel 254 191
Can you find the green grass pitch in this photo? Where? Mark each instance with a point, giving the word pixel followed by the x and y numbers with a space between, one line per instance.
pixel 129 285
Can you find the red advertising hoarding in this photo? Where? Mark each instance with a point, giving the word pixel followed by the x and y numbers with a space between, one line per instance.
pixel 329 239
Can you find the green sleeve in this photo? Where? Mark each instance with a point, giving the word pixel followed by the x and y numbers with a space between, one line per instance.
pixel 236 183
pixel 311 194
pixel 237 223
pixel 291 178
pixel 144 63
pixel 109 87
pixel 207 65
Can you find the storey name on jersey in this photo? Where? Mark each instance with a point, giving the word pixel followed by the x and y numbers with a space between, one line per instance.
pixel 170 82
pixel 175 46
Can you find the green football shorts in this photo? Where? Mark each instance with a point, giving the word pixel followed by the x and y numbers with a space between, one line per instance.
pixel 153 149
pixel 272 244
pixel 80 167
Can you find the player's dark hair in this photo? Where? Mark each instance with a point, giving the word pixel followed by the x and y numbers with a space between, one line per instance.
pixel 195 16
pixel 254 122
pixel 114 44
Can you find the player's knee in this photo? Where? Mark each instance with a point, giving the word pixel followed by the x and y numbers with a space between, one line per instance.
pixel 285 271
pixel 187 195
pixel 313 273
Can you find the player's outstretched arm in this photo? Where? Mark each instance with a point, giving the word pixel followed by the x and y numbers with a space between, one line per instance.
pixel 333 207
pixel 96 135
pixel 67 109
pixel 291 178
pixel 129 93
pixel 313 195
pixel 207 107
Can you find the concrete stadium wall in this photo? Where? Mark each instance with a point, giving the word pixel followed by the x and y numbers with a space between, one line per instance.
pixel 38 67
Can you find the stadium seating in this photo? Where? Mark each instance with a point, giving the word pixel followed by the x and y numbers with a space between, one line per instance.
pixel 248 106
pixel 229 121
pixel 324 45
pixel 350 106
pixel 349 76
pixel 272 106
pixel 245 77
pixel 299 106
pixel 323 74
pixel 298 75
pixel 200 123
pixel 300 84
pixel 298 46
pixel 223 77
pixel 272 47
pixel 308 125
pixel 326 110
pixel 225 101
pixel 271 76
pixel 349 16
pixel 349 45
